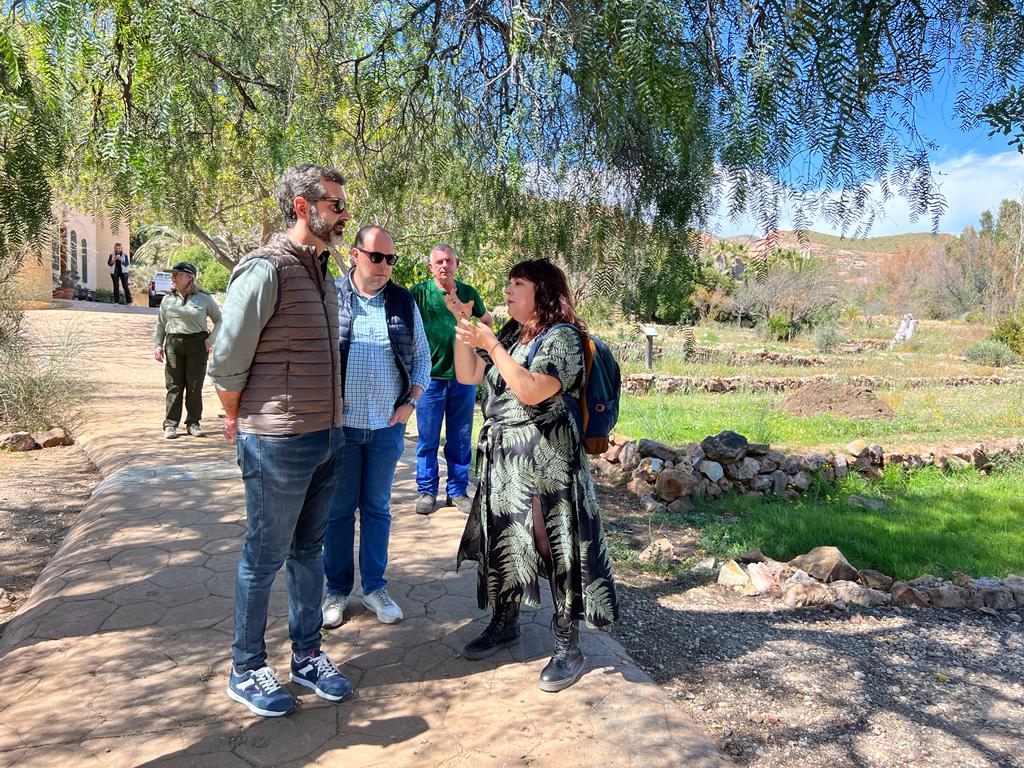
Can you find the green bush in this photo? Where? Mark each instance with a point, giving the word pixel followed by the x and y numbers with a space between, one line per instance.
pixel 779 328
pixel 1010 331
pixel 213 276
pixel 828 338
pixel 102 294
pixel 992 353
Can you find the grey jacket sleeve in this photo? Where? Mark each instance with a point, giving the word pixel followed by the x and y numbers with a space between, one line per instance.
pixel 250 303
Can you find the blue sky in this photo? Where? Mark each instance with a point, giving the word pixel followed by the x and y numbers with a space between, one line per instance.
pixel 975 172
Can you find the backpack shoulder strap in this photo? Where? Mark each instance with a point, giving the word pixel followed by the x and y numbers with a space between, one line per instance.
pixel 535 345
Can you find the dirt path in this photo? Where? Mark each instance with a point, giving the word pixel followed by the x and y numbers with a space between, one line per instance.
pixel 41 492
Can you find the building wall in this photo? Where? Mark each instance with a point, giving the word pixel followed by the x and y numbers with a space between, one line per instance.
pixel 79 242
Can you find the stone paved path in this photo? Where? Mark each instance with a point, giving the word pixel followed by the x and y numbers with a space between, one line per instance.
pixel 119 657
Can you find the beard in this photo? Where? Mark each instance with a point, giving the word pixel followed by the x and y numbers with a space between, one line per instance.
pixel 321 229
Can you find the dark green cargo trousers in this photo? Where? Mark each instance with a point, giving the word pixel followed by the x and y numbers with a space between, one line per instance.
pixel 184 369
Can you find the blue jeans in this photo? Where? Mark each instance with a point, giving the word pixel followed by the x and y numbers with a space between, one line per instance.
pixel 366 469
pixel 453 402
pixel 289 481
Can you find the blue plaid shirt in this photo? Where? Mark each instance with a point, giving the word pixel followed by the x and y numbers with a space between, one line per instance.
pixel 372 380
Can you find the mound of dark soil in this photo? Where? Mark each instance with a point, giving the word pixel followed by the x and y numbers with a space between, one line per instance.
pixel 839 399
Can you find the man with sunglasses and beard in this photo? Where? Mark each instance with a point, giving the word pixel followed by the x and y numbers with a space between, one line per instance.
pixel 276 367
pixel 385 366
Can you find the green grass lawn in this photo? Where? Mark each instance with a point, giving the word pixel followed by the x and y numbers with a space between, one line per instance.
pixel 923 415
pixel 932 523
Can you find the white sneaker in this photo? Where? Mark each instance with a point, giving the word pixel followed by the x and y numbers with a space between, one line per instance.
pixel 334 610
pixel 380 602
pixel 170 432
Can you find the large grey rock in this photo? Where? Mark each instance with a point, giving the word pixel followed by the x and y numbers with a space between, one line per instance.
pixel 841 465
pixel 801 590
pixel 629 457
pixel 681 506
pixel 18 442
pixel 760 483
pixel 725 447
pixel 855 594
pixel 640 487
pixel 658 550
pixel 734 575
pixel 948 596
pixel 742 470
pixel 649 468
pixel 826 564
pixel 904 594
pixel 672 484
pixel 1016 586
pixel 53 438
pixel 780 481
pixel 857 449
pixel 801 481
pixel 875 579
pixel 658 450
pixel 712 470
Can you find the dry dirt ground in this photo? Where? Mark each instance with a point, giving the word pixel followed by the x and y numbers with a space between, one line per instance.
pixel 781 688
pixel 41 492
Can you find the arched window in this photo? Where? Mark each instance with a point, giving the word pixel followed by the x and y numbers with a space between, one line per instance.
pixel 55 251
pixel 85 262
pixel 73 266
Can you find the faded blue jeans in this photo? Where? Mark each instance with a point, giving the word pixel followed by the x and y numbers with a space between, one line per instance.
pixel 365 473
pixel 289 481
pixel 454 403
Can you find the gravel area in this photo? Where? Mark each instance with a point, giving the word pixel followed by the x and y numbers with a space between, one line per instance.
pixel 41 493
pixel 810 687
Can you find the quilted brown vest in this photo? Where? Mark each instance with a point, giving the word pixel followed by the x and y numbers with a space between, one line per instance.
pixel 294 384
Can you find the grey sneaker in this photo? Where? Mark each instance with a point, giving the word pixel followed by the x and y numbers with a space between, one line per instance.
pixel 196 431
pixel 170 432
pixel 463 503
pixel 334 610
pixel 425 504
pixel 380 602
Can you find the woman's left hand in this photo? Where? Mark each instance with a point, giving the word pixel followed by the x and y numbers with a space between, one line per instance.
pixel 475 334
pixel 209 346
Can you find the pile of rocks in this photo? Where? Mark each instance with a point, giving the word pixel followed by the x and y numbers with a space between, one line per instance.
pixel 645 383
pixel 824 577
pixel 28 441
pixel 669 478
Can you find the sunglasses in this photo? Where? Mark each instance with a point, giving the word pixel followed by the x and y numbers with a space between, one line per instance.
pixel 340 204
pixel 377 258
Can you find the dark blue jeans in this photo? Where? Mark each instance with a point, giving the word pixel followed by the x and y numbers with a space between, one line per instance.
pixel 289 482
pixel 453 402
pixel 365 472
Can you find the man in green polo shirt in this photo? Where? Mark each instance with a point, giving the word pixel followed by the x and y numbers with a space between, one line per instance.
pixel 445 399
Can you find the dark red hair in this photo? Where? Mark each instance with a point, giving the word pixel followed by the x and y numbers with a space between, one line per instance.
pixel 552 300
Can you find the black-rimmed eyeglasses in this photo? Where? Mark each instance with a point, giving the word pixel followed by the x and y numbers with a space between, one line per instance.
pixel 377 258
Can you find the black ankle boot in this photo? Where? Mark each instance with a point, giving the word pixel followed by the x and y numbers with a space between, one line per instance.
pixel 500 633
pixel 567 662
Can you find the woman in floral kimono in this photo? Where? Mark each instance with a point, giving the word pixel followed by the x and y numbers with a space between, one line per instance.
pixel 535 512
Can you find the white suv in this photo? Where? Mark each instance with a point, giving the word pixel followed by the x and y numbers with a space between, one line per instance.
pixel 159 287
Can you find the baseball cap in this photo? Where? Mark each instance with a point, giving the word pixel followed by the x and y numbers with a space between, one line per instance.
pixel 184 266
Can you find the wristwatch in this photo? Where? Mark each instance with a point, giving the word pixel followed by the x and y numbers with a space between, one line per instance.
pixel 410 402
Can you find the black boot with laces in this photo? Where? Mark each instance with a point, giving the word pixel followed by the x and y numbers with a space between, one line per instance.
pixel 500 633
pixel 567 662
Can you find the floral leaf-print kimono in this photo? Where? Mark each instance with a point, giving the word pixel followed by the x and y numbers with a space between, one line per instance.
pixel 531 454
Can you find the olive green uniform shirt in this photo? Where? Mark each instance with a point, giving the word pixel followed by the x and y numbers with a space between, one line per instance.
pixel 185 316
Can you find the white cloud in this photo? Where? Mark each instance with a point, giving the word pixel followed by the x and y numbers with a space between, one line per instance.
pixel 971 183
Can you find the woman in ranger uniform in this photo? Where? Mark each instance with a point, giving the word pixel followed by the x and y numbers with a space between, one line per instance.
pixel 535 511
pixel 182 342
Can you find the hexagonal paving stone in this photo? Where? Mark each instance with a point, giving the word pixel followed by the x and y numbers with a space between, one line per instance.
pixel 82 617
pixel 134 615
pixel 172 577
pixel 201 613
pixel 144 559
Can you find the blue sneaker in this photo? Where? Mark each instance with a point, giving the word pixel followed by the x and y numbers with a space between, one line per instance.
pixel 259 690
pixel 318 672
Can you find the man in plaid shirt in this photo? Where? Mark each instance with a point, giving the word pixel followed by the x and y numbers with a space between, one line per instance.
pixel 385 366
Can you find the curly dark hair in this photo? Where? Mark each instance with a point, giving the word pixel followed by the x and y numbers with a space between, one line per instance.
pixel 552 300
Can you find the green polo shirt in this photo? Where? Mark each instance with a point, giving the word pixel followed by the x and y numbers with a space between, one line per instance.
pixel 440 325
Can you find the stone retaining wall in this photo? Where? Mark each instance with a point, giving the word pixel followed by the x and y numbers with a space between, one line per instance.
pixel 645 383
